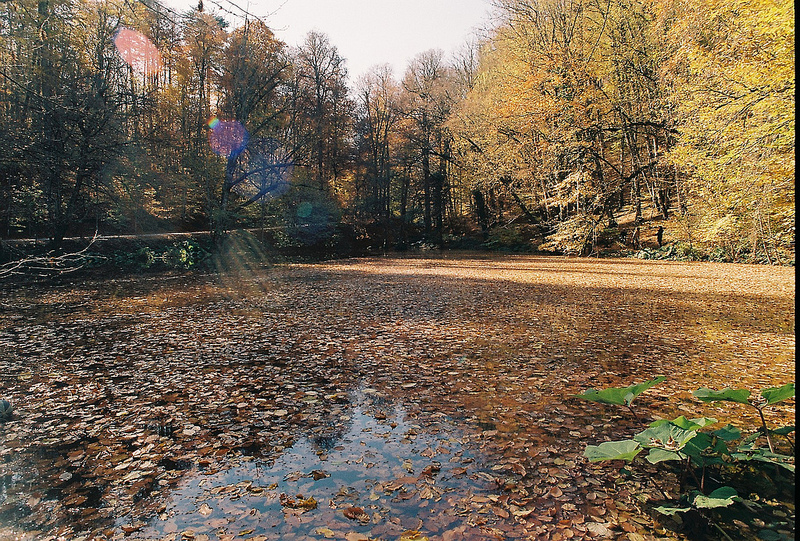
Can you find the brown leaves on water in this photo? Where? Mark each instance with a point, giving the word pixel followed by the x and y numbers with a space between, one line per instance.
pixel 356 513
pixel 124 387
pixel 303 504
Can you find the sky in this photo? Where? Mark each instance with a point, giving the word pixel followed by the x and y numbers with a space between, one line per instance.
pixel 368 32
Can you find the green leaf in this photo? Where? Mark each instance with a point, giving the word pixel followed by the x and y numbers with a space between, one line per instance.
pixel 636 390
pixel 731 395
pixel 776 394
pixel 783 431
pixel 687 424
pixel 667 436
pixel 704 450
pixel 612 395
pixel 657 455
pixel 620 396
pixel 612 450
pixel 722 497
pixel 758 454
pixel 728 433
pixel 672 510
pixel 747 443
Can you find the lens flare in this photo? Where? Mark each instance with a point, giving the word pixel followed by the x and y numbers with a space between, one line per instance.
pixel 227 137
pixel 265 169
pixel 138 51
pixel 304 209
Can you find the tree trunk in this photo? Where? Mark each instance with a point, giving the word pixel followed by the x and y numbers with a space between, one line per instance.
pixel 483 214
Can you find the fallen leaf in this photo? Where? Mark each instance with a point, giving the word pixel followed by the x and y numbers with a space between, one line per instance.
pixel 327 533
pixel 412 535
pixel 356 513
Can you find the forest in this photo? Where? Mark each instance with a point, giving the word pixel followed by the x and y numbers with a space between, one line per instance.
pixel 131 118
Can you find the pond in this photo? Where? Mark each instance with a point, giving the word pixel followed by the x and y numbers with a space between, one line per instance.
pixel 176 405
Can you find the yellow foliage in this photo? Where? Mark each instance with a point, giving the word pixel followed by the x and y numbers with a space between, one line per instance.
pixel 731 67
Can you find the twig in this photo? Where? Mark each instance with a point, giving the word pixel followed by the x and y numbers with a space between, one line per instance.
pixel 47 264
pixel 634 413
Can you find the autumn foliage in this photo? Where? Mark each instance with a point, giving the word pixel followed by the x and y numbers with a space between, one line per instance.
pixel 566 127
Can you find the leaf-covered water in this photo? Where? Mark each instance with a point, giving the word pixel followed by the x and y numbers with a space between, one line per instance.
pixel 131 392
pixel 372 472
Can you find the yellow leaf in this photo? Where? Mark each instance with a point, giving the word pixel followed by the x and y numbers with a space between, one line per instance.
pixel 412 535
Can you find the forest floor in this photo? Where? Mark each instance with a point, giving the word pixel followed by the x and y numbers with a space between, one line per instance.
pixel 414 397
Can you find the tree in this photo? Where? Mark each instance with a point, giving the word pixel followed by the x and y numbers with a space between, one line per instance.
pixel 324 110
pixel 565 114
pixel 731 71
pixel 427 84
pixel 378 112
pixel 70 91
pixel 254 71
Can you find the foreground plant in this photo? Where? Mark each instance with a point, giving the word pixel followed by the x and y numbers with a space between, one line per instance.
pixel 768 397
pixel 700 452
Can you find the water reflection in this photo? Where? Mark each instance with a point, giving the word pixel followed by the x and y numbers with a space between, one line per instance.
pixel 399 475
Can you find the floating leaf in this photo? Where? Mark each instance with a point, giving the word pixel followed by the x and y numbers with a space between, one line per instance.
pixel 776 394
pixel 730 395
pixel 356 513
pixel 612 450
pixel 412 535
pixel 299 503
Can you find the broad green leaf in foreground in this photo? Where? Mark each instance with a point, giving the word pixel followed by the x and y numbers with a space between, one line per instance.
pixel 705 450
pixel 686 424
pixel 731 395
pixel 657 455
pixel 612 450
pixel 666 436
pixel 722 497
pixel 776 394
pixel 762 455
pixel 620 396
pixel 728 433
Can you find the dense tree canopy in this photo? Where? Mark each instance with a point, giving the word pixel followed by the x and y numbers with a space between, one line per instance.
pixel 566 118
